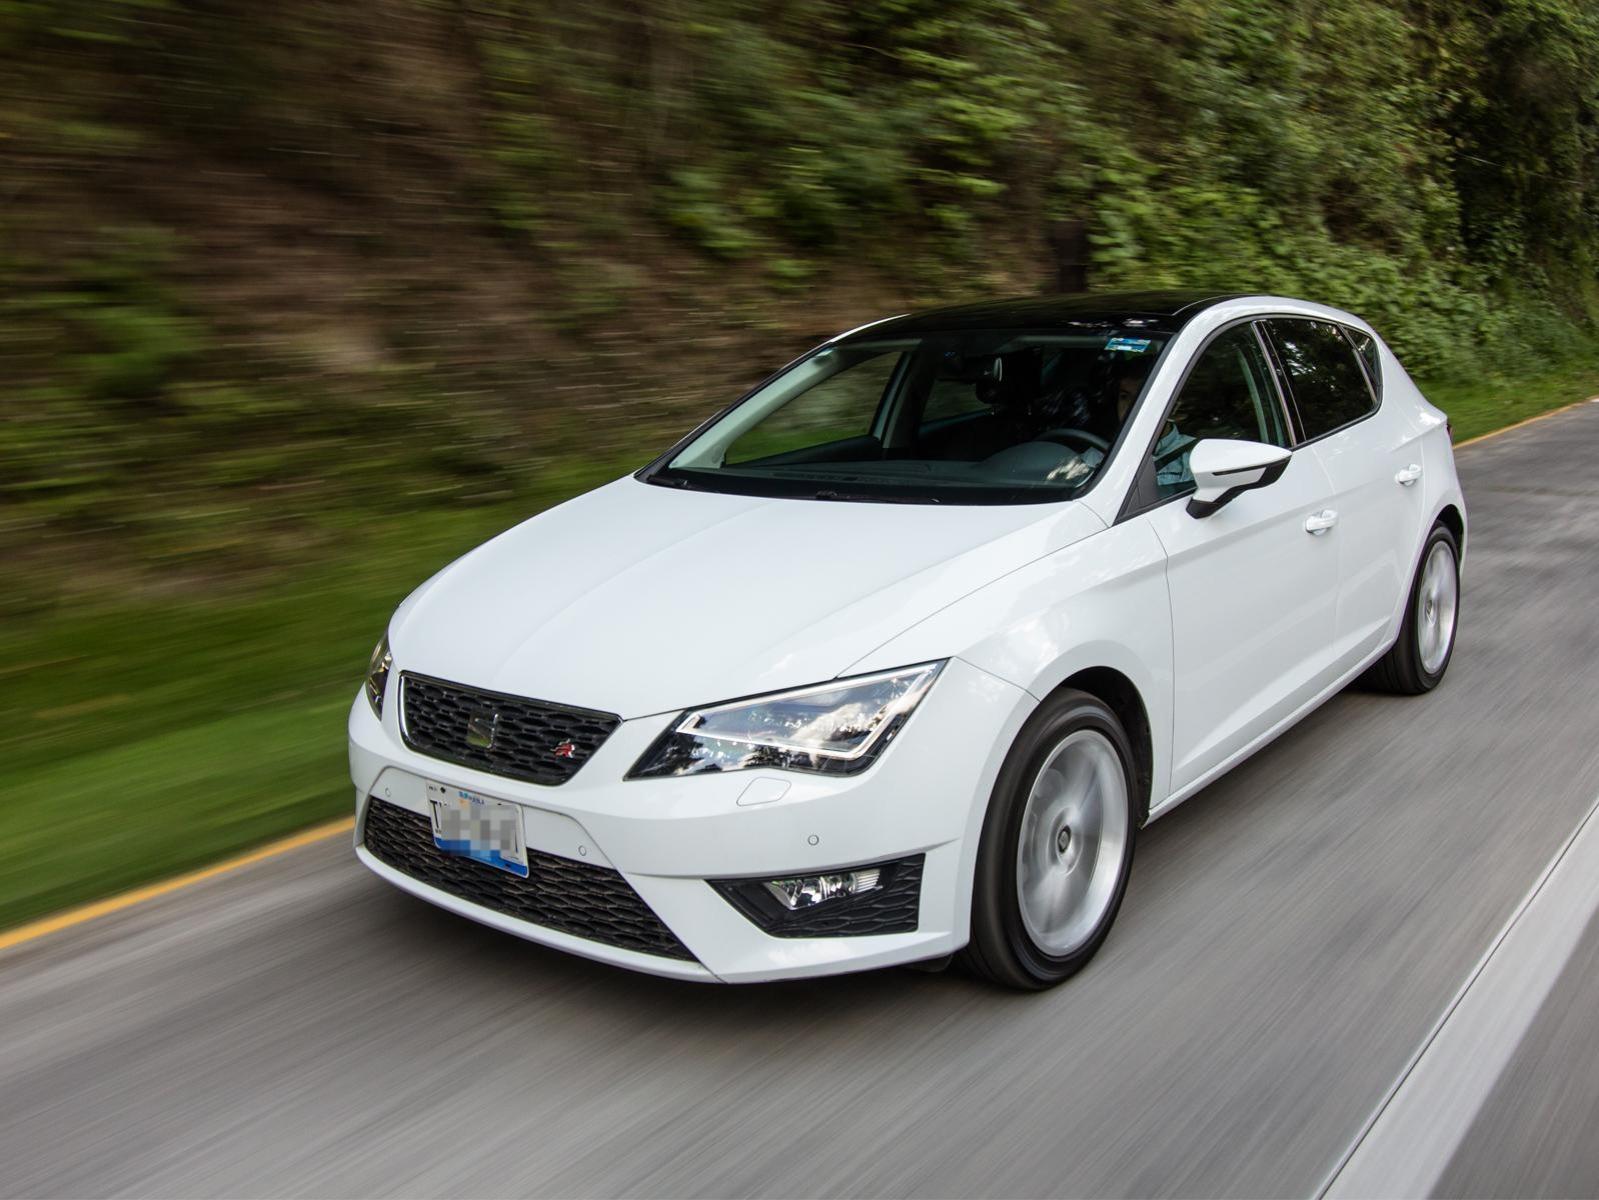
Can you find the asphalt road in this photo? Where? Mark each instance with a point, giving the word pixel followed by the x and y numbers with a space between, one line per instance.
pixel 1288 941
pixel 1535 1134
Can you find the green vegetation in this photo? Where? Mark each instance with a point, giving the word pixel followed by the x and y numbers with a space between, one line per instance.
pixel 303 298
pixel 145 739
pixel 1480 406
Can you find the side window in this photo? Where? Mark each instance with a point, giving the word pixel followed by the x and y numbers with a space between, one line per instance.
pixel 1228 394
pixel 1325 380
pixel 839 408
pixel 1366 347
pixel 951 398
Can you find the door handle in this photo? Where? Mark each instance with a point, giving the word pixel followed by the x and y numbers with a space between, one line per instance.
pixel 1408 475
pixel 1319 523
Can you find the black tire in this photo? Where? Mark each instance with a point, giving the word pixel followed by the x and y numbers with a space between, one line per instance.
pixel 1402 671
pixel 1001 949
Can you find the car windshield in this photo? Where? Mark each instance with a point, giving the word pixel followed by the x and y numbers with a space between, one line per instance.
pixel 968 417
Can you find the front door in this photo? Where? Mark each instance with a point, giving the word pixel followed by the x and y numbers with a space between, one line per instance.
pixel 1252 588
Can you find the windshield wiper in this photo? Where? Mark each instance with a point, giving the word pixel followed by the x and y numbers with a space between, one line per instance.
pixel 862 498
pixel 660 479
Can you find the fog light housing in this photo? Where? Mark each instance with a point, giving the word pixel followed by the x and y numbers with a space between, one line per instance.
pixel 854 902
pixel 806 891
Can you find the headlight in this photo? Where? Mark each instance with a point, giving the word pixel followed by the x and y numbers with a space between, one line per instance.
pixel 377 674
pixel 836 728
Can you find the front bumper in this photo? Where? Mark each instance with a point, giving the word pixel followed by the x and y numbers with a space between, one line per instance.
pixel 667 837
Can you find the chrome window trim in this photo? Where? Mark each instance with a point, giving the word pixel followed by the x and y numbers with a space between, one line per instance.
pixel 1372 383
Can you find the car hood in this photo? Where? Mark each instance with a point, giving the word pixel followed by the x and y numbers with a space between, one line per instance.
pixel 639 599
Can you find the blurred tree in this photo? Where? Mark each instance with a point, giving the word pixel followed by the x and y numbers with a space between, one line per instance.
pixel 304 249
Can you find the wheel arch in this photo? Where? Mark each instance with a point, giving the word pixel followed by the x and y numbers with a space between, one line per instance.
pixel 1120 694
pixel 1451 518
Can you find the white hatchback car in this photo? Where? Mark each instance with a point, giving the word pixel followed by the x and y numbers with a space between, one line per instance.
pixel 893 658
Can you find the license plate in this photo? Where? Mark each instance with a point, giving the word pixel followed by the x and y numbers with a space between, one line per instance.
pixel 478 827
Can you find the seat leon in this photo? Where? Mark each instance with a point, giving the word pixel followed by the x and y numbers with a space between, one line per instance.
pixel 892 659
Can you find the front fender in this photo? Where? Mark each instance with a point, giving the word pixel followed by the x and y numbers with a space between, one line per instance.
pixel 1101 602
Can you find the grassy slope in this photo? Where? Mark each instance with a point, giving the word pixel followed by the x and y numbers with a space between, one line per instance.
pixel 1483 405
pixel 152 739
pixel 156 737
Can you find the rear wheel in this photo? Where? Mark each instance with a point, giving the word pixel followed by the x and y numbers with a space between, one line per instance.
pixel 1057 846
pixel 1418 660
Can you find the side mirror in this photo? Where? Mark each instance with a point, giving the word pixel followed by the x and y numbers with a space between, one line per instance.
pixel 1223 469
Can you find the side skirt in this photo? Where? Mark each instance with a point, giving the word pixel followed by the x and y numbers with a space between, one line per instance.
pixel 1277 730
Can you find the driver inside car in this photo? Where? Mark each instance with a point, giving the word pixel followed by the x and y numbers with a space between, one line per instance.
pixel 1045 426
pixel 1029 422
pixel 1127 376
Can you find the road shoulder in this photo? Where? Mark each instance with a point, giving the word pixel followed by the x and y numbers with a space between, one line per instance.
pixel 1528 996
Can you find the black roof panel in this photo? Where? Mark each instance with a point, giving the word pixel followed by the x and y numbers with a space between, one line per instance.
pixel 1167 311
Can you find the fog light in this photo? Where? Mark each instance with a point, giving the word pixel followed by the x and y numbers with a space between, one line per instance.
pixel 882 897
pixel 810 890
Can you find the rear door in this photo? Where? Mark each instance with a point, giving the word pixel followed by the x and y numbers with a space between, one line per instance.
pixel 1373 462
pixel 1252 592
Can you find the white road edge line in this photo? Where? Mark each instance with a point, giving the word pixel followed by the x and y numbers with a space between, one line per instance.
pixel 1408 1141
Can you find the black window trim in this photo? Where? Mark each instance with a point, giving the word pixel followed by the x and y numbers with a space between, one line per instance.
pixel 885 402
pixel 1141 495
pixel 1287 388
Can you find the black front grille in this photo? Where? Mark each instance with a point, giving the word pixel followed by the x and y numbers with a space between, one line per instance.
pixel 518 738
pixel 572 897
pixel 893 908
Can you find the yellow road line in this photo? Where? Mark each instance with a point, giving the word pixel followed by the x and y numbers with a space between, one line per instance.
pixel 1553 412
pixel 319 833
pixel 101 908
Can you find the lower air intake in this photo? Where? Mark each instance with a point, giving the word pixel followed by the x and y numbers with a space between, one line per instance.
pixel 580 899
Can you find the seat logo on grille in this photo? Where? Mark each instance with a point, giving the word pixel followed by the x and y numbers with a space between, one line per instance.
pixel 480 729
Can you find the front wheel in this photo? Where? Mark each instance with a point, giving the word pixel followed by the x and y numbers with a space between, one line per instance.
pixel 1057 846
pixel 1418 660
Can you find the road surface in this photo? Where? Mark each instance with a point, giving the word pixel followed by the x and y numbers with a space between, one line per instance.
pixel 1290 938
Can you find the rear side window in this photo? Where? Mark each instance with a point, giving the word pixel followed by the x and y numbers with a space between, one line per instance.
pixel 1366 347
pixel 1325 379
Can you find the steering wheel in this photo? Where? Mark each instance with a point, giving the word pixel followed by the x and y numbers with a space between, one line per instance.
pixel 1069 437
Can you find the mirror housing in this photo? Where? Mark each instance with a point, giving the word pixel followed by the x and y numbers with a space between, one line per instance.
pixel 1223 469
